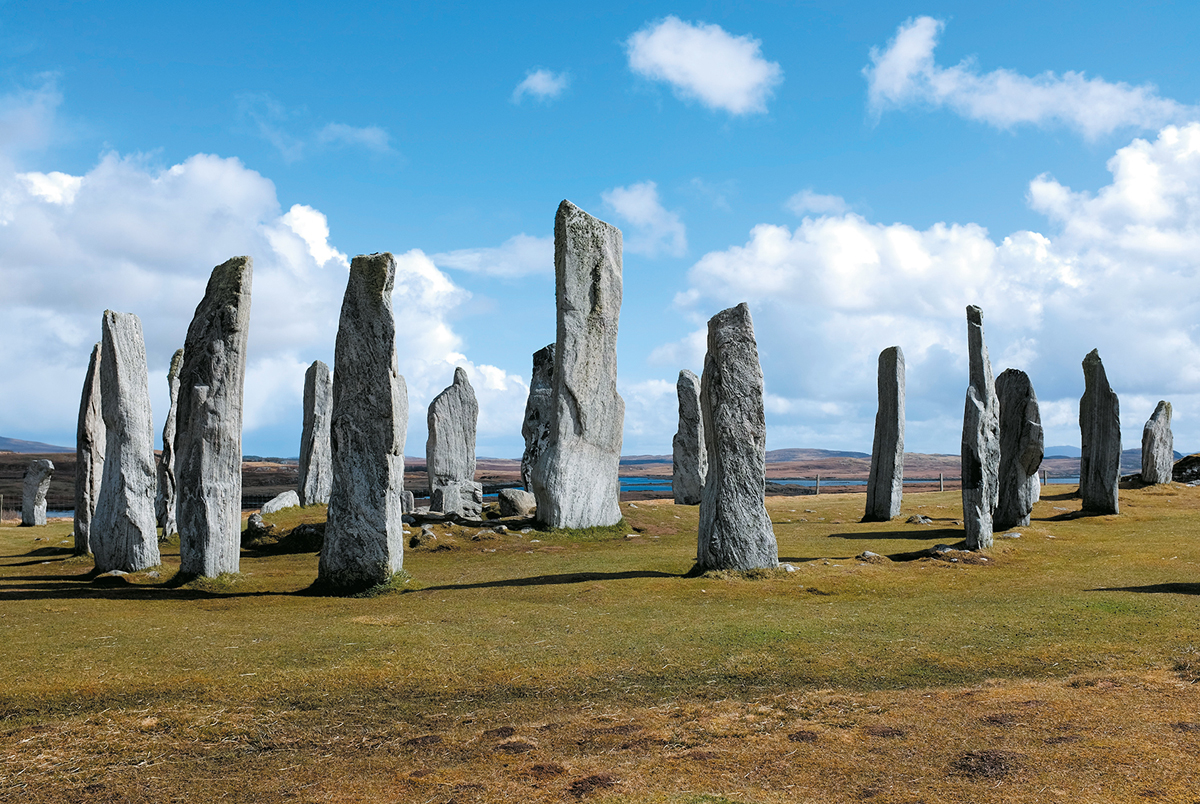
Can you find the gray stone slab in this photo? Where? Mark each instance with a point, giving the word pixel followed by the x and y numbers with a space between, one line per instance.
pixel 980 440
pixel 288 499
pixel 33 492
pixel 89 454
pixel 1100 439
pixel 316 461
pixel 885 484
pixel 689 458
pixel 164 501
pixel 1021 445
pixel 1158 446
pixel 450 449
pixel 535 428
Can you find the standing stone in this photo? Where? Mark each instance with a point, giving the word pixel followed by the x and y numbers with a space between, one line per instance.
pixel 408 502
pixel 689 458
pixel 450 450
pixel 89 454
pixel 124 535
pixel 885 486
pixel 208 436
pixel 735 530
pixel 1020 449
pixel 1100 439
pixel 1158 446
pixel 536 427
pixel 33 497
pixel 575 477
pixel 316 464
pixel 980 440
pixel 364 541
pixel 164 501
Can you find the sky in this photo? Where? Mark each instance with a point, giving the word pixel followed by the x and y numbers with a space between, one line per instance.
pixel 857 175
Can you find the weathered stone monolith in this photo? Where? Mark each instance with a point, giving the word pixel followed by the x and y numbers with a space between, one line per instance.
pixel 33 492
pixel 316 464
pixel 689 458
pixel 164 500
pixel 89 454
pixel 1100 439
pixel 208 434
pixel 450 449
pixel 364 540
pixel 735 530
pixel 980 440
pixel 885 484
pixel 1158 446
pixel 1020 450
pixel 575 477
pixel 536 426
pixel 124 535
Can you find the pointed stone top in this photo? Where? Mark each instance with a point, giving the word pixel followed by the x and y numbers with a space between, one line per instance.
pixel 460 376
pixel 568 211
pixel 176 364
pixel 318 365
pixel 739 314
pixel 1092 357
pixel 689 376
pixel 974 315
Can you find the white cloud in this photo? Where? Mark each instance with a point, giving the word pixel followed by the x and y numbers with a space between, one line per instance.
pixel 703 62
pixel 904 74
pixel 27 117
pixel 373 138
pixel 806 201
pixel 520 255
pixel 655 230
pixel 542 85
pixel 276 124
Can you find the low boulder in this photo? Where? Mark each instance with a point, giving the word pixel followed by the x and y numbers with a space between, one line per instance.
pixel 517 502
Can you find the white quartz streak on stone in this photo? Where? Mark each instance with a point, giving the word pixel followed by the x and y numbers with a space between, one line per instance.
pixel 885 484
pixel 33 492
pixel 1158 446
pixel 316 464
pixel 164 501
pixel 89 454
pixel 1100 439
pixel 689 457
pixel 980 440
pixel 1021 447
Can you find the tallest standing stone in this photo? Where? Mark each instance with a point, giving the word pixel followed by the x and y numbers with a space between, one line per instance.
pixel 980 440
pixel 575 478
pixel 208 428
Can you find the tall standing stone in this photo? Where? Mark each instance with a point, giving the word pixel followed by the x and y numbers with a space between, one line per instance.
pixel 735 530
pixel 536 426
pixel 1100 439
pixel 364 542
pixel 575 477
pixel 689 458
pixel 1158 446
pixel 164 501
pixel 33 492
pixel 980 440
pixel 316 463
pixel 885 485
pixel 450 449
pixel 89 454
pixel 1021 444
pixel 124 535
pixel 208 436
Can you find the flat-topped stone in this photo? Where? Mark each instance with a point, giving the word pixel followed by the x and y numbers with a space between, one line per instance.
pixel 885 484
pixel 33 492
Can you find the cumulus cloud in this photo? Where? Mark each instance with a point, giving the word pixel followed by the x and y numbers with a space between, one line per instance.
pixel 905 74
pixel 520 255
pixel 807 202
pixel 542 85
pixel 705 63
pixel 654 230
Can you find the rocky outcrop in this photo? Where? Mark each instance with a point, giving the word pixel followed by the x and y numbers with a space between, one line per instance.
pixel 536 426
pixel 288 499
pixel 689 459
pixel 364 539
pixel 450 450
pixel 1158 446
pixel 316 463
pixel 164 501
pixel 208 436
pixel 1100 439
pixel 124 533
pixel 980 440
pixel 516 502
pixel 575 477
pixel 89 454
pixel 885 484
pixel 1021 445
pixel 735 530
pixel 33 492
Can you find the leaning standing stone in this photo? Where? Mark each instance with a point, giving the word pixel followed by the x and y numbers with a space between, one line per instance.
pixel 124 534
pixel 316 464
pixel 450 450
pixel 980 440
pixel 89 454
pixel 364 541
pixel 689 459
pixel 33 496
pixel 1020 449
pixel 885 486
pixel 735 530
pixel 536 426
pixel 575 478
pixel 1100 439
pixel 164 501
pixel 1158 446
pixel 208 437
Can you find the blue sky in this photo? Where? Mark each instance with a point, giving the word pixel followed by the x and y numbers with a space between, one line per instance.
pixel 856 175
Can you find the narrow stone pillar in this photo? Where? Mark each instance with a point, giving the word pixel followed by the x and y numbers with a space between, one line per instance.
pixel 89 454
pixel 33 492
pixel 208 436
pixel 450 449
pixel 164 501
pixel 885 485
pixel 1100 439
pixel 538 406
pixel 735 530
pixel 689 458
pixel 1158 446
pixel 980 440
pixel 316 463
pixel 1020 449
pixel 364 542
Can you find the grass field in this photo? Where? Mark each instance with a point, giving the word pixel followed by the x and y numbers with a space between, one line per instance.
pixel 549 667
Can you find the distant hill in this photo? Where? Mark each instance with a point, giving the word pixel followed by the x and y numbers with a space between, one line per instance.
pixel 1061 452
pixel 787 455
pixel 17 445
